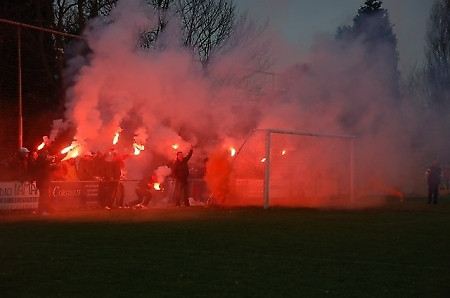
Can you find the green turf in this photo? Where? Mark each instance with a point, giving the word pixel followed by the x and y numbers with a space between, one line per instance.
pixel 398 250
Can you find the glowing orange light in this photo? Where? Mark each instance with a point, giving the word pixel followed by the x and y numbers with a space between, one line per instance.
pixel 116 138
pixel 283 152
pixel 71 154
pixel 138 148
pixel 232 151
pixel 67 149
pixel 263 159
pixel 175 146
pixel 75 154
pixel 157 186
pixel 41 146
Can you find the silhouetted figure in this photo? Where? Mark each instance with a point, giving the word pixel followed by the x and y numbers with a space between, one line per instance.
pixel 143 191
pixel 117 166
pixel 180 171
pixel 111 181
pixel 42 171
pixel 19 167
pixel 85 167
pixel 100 173
pixel 434 173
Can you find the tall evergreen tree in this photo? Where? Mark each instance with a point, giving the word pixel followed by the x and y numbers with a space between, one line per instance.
pixel 372 28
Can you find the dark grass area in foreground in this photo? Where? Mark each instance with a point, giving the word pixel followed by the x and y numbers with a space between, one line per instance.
pixel 398 250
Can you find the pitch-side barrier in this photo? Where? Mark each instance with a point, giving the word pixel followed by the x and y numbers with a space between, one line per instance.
pixel 16 195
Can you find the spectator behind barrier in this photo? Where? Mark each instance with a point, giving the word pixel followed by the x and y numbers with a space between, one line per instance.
pixel 19 166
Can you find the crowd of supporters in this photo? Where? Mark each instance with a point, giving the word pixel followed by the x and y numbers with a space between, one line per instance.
pixel 90 166
pixel 41 167
pixel 106 168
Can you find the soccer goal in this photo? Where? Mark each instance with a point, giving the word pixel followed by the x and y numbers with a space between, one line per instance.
pixel 292 168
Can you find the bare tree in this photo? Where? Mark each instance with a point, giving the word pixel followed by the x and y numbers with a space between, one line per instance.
pixel 149 37
pixel 438 55
pixel 206 24
pixel 71 16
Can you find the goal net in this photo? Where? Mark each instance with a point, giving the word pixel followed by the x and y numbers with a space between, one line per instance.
pixel 289 168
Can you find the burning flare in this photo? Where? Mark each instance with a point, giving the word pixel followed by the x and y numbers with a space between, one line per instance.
pixel 116 138
pixel 157 186
pixel 175 146
pixel 70 154
pixel 232 151
pixel 45 141
pixel 138 148
pixel 67 149
pixel 73 154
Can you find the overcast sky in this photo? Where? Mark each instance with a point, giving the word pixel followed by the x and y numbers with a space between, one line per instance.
pixel 299 22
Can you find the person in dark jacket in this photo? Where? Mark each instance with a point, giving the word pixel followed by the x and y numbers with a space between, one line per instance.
pixel 180 171
pixel 19 167
pixel 42 170
pixel 434 173
pixel 112 182
pixel 85 167
pixel 143 191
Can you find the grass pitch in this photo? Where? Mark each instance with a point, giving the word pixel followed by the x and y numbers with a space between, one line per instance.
pixel 398 250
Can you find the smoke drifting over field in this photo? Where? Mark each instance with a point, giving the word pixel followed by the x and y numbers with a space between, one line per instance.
pixel 160 98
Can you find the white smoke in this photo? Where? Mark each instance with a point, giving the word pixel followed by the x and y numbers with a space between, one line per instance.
pixel 162 172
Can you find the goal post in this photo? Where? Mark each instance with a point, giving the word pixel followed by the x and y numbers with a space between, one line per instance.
pixel 275 167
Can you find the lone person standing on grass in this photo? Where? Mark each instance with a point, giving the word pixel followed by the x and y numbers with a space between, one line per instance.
pixel 180 172
pixel 433 173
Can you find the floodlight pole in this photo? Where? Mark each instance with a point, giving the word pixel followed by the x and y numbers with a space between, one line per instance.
pixel 19 62
pixel 352 170
pixel 267 171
